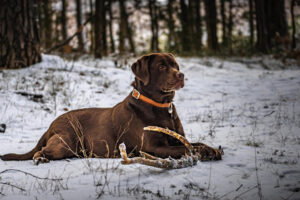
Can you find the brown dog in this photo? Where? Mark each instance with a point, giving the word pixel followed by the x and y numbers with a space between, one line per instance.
pixel 97 132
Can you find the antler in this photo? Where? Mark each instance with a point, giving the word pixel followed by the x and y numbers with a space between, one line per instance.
pixel 170 163
pixel 182 139
pixel 153 161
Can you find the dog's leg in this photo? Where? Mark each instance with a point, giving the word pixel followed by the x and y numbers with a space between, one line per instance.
pixel 206 152
pixel 57 147
pixel 167 151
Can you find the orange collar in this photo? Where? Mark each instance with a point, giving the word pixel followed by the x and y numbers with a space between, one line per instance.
pixel 137 95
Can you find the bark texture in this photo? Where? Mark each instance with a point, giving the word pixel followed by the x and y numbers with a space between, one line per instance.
pixel 99 20
pixel 19 38
pixel 271 22
pixel 153 10
pixel 125 31
pixel 211 24
pixel 172 42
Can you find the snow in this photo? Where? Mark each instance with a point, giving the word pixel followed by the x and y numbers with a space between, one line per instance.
pixel 253 113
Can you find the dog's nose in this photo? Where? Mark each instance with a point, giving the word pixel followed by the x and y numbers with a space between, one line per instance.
pixel 180 76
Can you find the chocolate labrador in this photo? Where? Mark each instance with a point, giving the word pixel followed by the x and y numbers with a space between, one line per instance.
pixel 97 132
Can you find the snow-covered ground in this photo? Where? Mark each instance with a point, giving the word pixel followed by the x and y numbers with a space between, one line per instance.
pixel 252 112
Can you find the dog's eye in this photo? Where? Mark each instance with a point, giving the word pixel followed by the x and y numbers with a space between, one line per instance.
pixel 162 67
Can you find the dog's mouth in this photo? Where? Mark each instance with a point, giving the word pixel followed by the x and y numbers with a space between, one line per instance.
pixel 173 86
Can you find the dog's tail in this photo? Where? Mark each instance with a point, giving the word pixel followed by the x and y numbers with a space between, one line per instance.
pixel 27 156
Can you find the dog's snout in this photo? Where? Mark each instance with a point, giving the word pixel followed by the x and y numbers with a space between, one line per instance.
pixel 180 76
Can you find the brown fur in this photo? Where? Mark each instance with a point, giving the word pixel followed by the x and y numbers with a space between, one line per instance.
pixel 97 132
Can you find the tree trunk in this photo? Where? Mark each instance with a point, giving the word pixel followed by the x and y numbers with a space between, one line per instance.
pixel 125 32
pixel 153 10
pixel 271 23
pixel 110 25
pixel 64 31
pixel 191 12
pixel 211 24
pixel 276 18
pixel 293 45
pixel 47 8
pixel 198 24
pixel 262 43
pixel 98 20
pixel 185 30
pixel 195 26
pixel 19 39
pixel 92 30
pixel 122 29
pixel 230 26
pixel 223 19
pixel 57 34
pixel 171 46
pixel 103 23
pixel 79 20
pixel 251 24
pixel 41 22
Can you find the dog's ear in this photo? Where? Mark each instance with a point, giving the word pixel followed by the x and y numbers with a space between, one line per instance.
pixel 141 69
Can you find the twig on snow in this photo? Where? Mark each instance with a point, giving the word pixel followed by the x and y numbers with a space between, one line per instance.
pixel 269 113
pixel 14 186
pixel 27 173
pixel 236 197
pixel 237 189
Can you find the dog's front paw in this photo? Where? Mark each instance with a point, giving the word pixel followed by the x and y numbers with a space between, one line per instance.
pixel 38 160
pixel 207 153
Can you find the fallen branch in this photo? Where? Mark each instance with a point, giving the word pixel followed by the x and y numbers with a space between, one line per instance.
pixel 71 37
pixel 27 173
pixel 33 97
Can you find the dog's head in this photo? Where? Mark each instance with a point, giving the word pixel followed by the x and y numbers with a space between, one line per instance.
pixel 157 75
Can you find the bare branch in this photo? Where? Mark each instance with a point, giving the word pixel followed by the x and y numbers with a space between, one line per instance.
pixel 71 37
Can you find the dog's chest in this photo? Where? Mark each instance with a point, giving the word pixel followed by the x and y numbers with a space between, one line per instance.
pixel 161 118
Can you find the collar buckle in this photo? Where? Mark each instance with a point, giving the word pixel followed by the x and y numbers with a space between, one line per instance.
pixel 170 108
pixel 135 94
